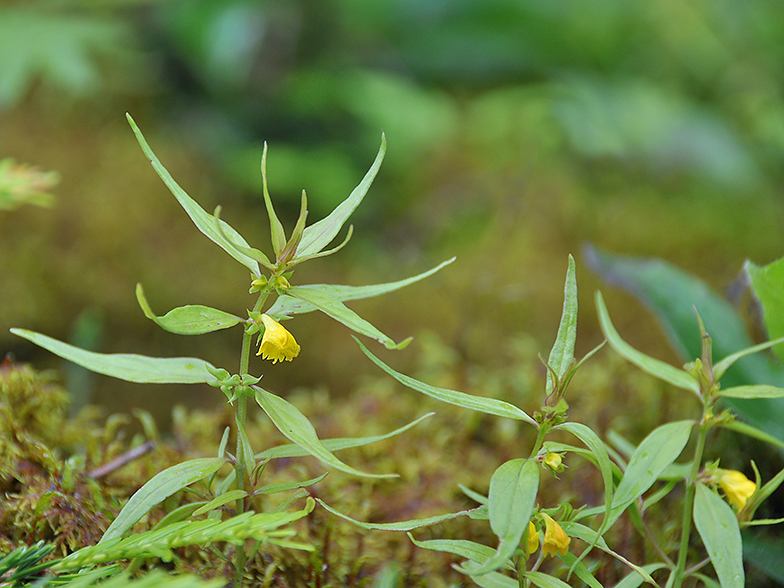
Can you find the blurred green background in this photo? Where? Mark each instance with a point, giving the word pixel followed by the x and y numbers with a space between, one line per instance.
pixel 517 129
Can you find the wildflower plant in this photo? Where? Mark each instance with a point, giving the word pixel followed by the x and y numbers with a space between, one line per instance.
pixel 271 280
pixel 718 503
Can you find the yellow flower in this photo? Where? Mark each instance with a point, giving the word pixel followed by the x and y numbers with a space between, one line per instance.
pixel 737 487
pixel 533 538
pixel 277 343
pixel 555 540
pixel 553 461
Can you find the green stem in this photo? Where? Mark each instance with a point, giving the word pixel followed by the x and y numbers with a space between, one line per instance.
pixel 688 504
pixel 242 469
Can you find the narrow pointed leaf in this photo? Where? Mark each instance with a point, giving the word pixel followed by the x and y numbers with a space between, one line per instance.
pixel 720 367
pixel 592 537
pixel 759 391
pixel 218 501
pixel 297 428
pixel 160 487
pixel 657 451
pixel 633 580
pixel 468 549
pixel 598 449
pixel 399 526
pixel 286 306
pixel 188 320
pixel 545 580
pixel 513 489
pixel 478 403
pixel 335 444
pixel 562 353
pixel 751 431
pixel 335 309
pixel 286 486
pixel 320 234
pixel 278 235
pixel 718 527
pixel 129 367
pixel 203 220
pixel 656 368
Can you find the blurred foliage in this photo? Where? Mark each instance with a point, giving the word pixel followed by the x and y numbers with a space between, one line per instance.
pixel 24 184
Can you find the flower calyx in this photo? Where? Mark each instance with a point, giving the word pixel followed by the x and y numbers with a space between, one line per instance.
pixel 233 385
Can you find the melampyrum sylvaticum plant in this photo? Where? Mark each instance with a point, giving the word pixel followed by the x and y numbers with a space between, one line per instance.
pixel 277 298
pixel 530 528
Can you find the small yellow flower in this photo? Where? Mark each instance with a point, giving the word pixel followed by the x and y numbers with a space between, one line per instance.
pixel 533 538
pixel 277 343
pixel 553 461
pixel 737 487
pixel 555 540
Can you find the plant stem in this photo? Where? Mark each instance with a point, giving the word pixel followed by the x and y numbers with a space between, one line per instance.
pixel 242 469
pixel 691 486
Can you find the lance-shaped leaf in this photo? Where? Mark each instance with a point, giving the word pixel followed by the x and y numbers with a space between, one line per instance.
pixel 127 366
pixel 598 449
pixel 335 309
pixel 468 549
pixel 562 353
pixel 759 391
pixel 657 451
pixel 320 234
pixel 204 221
pixel 336 444
pixel 160 487
pixel 277 233
pixel 719 530
pixel 399 526
pixel 478 403
pixel 658 369
pixel 193 319
pixel 513 489
pixel 286 306
pixel 298 429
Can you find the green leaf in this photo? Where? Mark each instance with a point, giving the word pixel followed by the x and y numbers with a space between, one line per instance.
pixel 746 429
pixel 657 451
pixel 277 234
pixel 335 309
pixel 490 580
pixel 160 487
pixel 545 580
pixel 399 526
pixel 768 284
pixel 634 579
pixel 320 234
pixel 658 369
pixel 765 552
pixel 286 306
pixel 592 537
pixel 297 428
pixel 485 405
pixel 598 449
pixel 188 320
pixel 513 489
pixel 718 526
pixel 336 444
pixel 468 549
pixel 721 367
pixel 204 221
pixel 129 367
pixel 285 486
pixel 218 501
pixel 758 391
pixel 562 353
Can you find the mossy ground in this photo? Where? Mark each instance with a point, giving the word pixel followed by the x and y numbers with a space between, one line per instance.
pixel 52 492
